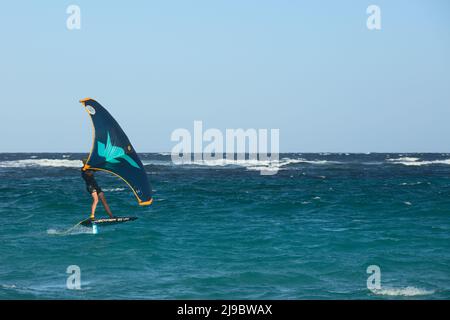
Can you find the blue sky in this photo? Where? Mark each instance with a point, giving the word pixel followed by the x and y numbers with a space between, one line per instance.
pixel 310 68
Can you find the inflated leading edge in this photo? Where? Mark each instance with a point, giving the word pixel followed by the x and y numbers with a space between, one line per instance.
pixel 112 152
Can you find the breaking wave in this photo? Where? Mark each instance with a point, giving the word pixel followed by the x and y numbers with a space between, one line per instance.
pixel 57 163
pixel 249 164
pixel 405 292
pixel 410 161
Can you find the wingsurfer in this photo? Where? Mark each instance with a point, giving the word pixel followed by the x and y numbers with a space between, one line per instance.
pixel 94 190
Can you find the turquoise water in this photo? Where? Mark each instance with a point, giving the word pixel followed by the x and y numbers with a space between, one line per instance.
pixel 223 231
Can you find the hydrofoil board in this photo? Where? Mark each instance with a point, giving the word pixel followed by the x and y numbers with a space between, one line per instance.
pixel 106 221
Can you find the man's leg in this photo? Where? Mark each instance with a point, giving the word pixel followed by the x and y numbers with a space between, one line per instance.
pixel 94 204
pixel 101 195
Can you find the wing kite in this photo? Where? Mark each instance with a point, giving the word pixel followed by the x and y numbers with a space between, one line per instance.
pixel 112 152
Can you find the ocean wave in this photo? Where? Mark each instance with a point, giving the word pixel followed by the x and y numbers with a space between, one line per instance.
pixel 8 286
pixel 410 161
pixel 57 163
pixel 259 165
pixel 157 163
pixel 404 159
pixel 405 292
pixel 249 164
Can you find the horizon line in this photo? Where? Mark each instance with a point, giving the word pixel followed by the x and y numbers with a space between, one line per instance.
pixel 301 152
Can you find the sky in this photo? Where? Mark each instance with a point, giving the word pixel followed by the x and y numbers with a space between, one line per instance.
pixel 311 69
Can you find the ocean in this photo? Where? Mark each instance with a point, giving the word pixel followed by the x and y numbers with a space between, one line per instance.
pixel 221 230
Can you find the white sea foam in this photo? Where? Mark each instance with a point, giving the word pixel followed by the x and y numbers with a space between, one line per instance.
pixel 409 161
pixel 253 164
pixel 414 183
pixel 424 163
pixel 406 292
pixel 114 189
pixel 57 163
pixel 264 168
pixel 72 231
pixel 249 164
pixel 404 159
pixel 156 163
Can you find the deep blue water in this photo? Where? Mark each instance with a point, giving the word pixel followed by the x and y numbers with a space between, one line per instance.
pixel 220 231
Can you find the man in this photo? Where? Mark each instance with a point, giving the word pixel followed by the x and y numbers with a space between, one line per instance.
pixel 94 190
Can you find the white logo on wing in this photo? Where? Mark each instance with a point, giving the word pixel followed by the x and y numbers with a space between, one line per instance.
pixel 90 109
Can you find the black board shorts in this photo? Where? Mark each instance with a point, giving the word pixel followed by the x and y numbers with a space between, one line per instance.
pixel 92 188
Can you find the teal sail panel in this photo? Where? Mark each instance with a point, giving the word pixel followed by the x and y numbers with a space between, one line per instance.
pixel 112 152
